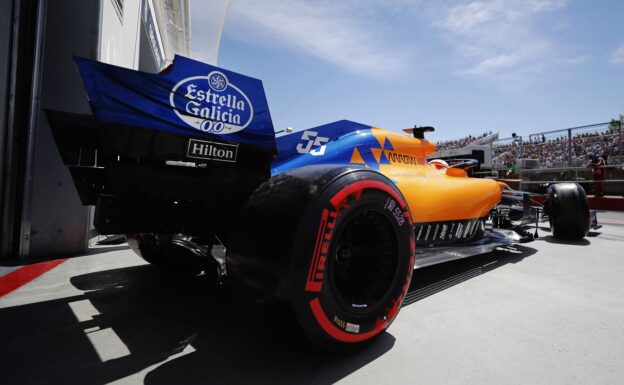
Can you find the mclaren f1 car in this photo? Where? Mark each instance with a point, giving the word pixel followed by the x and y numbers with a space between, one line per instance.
pixel 332 219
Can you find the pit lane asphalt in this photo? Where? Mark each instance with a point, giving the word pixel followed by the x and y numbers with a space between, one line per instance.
pixel 542 313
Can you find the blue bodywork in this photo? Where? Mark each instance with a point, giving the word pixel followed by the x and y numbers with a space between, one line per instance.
pixel 320 145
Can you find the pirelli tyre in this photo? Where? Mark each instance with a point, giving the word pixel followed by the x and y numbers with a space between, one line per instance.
pixel 568 211
pixel 344 242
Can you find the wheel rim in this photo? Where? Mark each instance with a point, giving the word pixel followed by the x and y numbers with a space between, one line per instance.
pixel 364 261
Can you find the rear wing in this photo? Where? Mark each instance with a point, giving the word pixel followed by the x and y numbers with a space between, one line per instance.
pixel 178 151
pixel 187 98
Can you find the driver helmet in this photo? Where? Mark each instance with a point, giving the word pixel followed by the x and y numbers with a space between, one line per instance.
pixel 439 163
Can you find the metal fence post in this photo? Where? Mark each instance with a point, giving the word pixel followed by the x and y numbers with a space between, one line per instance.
pixel 569 147
pixel 620 134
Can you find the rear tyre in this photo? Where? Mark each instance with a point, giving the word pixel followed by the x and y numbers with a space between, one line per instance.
pixel 568 211
pixel 346 251
pixel 352 262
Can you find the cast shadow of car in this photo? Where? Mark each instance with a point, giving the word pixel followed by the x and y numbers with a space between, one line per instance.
pixel 211 336
pixel 208 335
pixel 573 242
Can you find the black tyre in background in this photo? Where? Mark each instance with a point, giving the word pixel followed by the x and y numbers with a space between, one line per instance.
pixel 568 211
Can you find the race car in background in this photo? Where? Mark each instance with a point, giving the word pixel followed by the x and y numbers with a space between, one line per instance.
pixel 331 219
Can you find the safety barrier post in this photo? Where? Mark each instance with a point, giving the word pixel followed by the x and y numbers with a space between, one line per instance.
pixel 569 147
pixel 620 134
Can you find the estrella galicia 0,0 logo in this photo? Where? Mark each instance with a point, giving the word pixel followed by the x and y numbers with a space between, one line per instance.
pixel 211 104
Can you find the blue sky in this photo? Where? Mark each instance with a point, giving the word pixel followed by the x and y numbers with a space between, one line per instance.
pixel 463 67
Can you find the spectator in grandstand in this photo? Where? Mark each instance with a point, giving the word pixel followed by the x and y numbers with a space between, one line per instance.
pixel 459 143
pixel 511 169
pixel 555 151
pixel 597 164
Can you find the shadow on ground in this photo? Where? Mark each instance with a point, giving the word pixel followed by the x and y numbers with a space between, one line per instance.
pixel 157 317
pixel 573 242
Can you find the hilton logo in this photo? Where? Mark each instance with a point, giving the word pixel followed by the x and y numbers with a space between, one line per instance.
pixel 202 149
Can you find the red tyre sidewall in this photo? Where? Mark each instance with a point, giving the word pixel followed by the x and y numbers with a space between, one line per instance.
pixel 313 299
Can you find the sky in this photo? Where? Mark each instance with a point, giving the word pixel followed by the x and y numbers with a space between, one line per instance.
pixel 464 67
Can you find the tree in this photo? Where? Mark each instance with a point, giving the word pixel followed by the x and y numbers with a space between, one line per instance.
pixel 616 124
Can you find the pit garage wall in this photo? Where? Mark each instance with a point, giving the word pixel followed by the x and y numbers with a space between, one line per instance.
pixel 55 222
pixel 6 22
pixel 40 212
pixel 59 223
pixel 6 12
pixel 22 81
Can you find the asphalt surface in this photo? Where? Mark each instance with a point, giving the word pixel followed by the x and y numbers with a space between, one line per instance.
pixel 542 313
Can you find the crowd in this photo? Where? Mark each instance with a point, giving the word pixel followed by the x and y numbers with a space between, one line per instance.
pixel 554 152
pixel 459 143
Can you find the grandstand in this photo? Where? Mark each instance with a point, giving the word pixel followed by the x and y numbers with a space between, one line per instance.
pixel 561 148
pixel 472 147
pixel 542 158
pixel 485 138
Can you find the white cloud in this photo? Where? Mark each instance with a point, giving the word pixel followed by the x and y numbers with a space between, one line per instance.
pixel 500 40
pixel 341 33
pixel 500 62
pixel 491 40
pixel 617 57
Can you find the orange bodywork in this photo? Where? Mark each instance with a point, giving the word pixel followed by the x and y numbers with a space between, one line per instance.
pixel 433 194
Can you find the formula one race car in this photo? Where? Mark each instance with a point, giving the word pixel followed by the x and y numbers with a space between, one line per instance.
pixel 332 219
